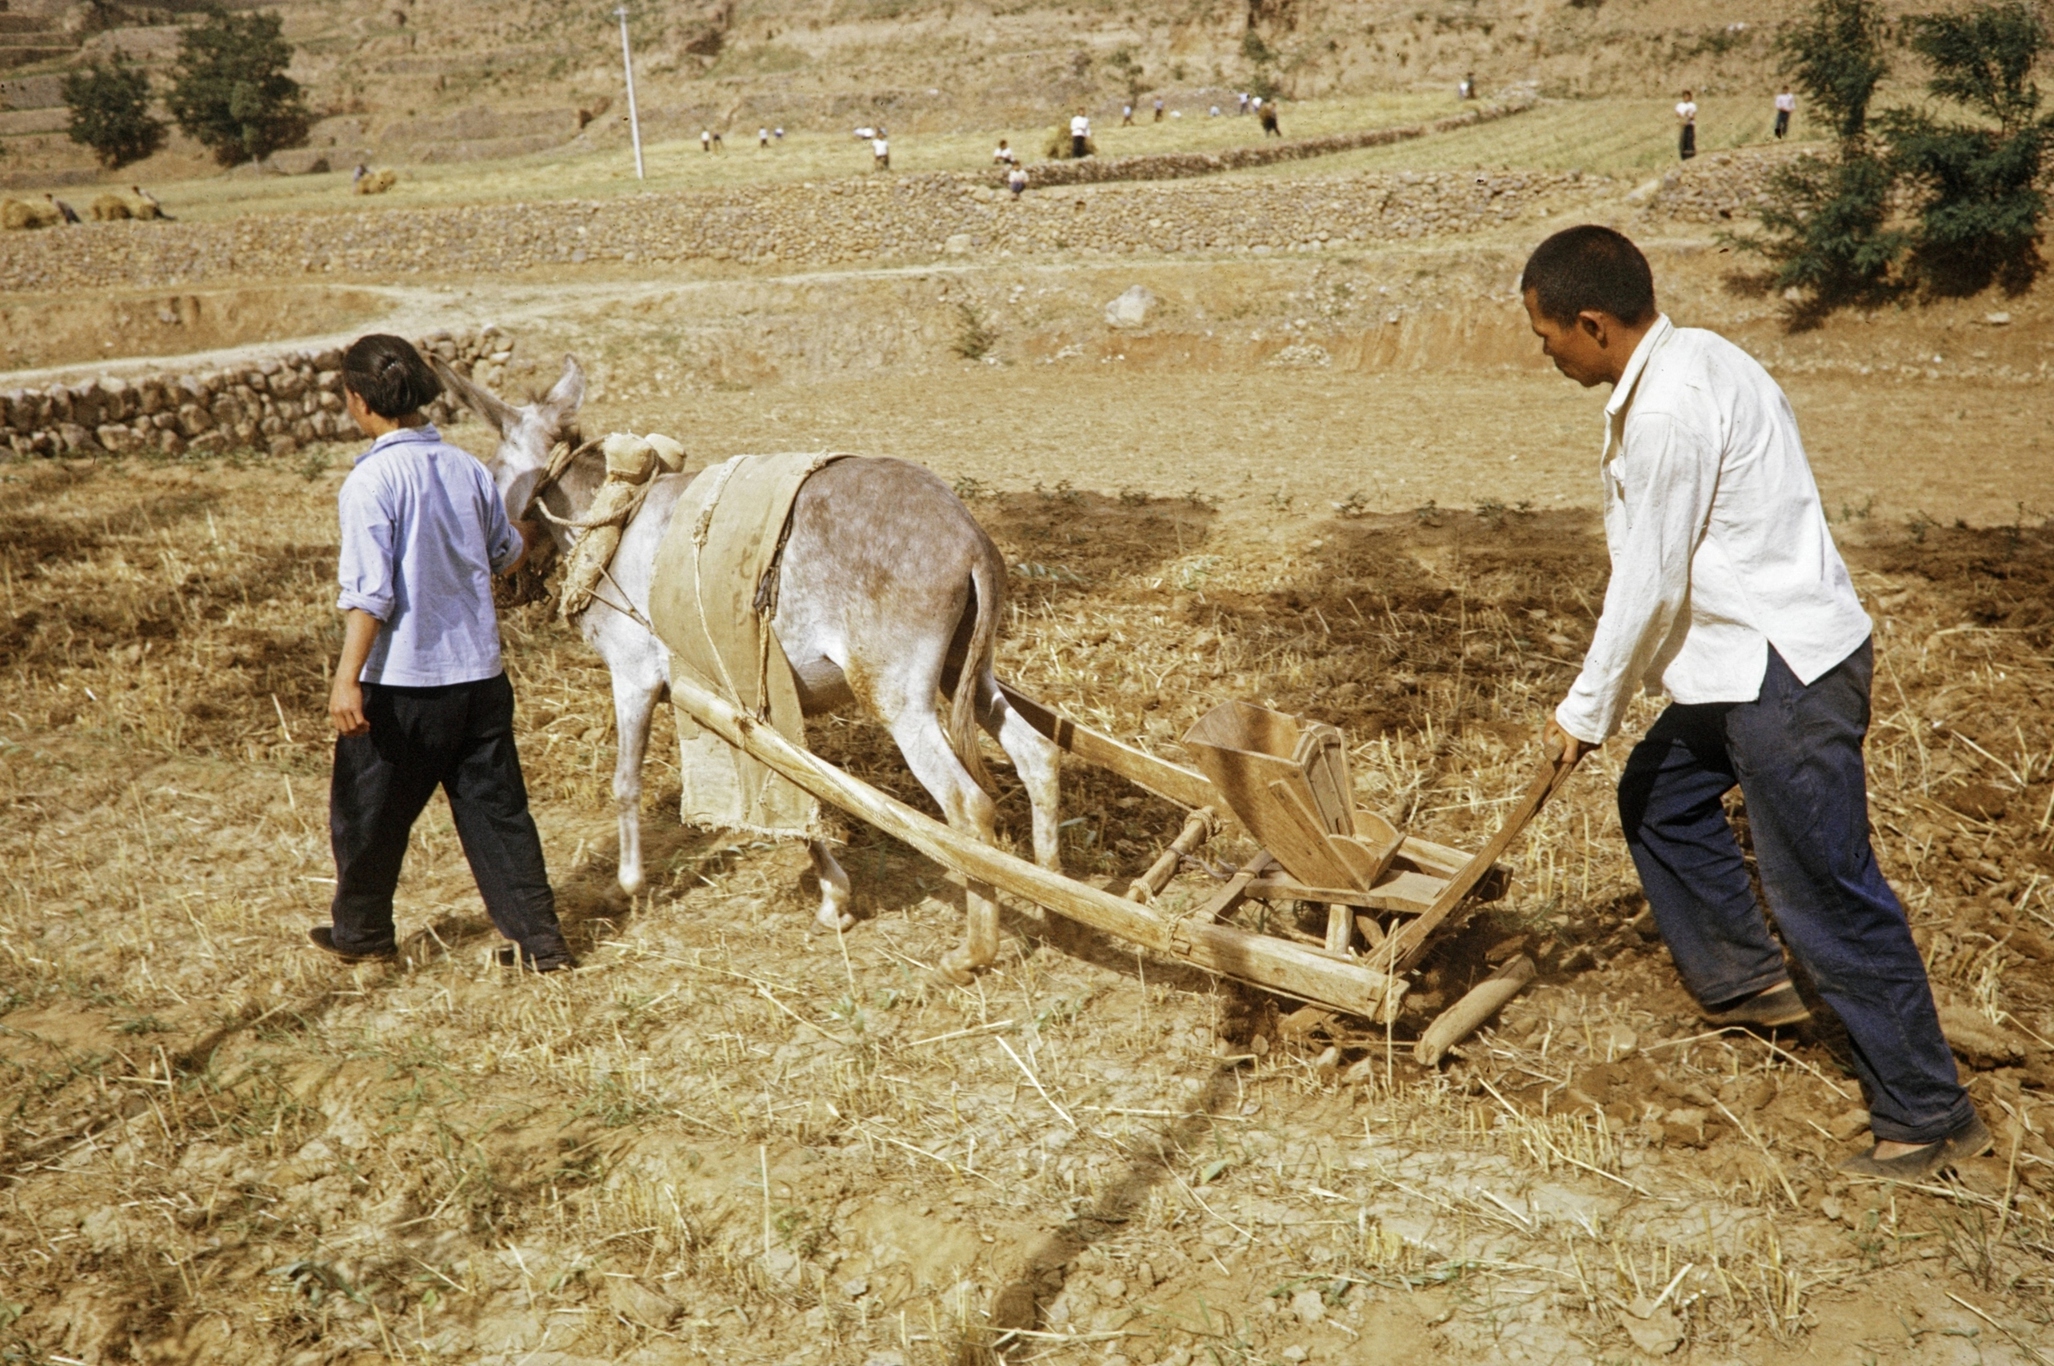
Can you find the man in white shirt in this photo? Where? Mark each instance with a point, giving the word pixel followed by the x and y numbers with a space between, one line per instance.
pixel 1686 114
pixel 1080 135
pixel 1727 593
pixel 1786 105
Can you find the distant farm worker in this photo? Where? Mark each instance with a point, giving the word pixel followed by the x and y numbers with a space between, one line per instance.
pixel 1242 97
pixel 762 137
pixel 880 150
pixel 1004 156
pixel 1016 181
pixel 358 174
pixel 1126 116
pixel 1080 135
pixel 1269 120
pixel 1686 114
pixel 64 210
pixel 1728 594
pixel 778 133
pixel 1786 105
pixel 140 193
pixel 1465 89
pixel 1158 109
pixel 420 698
pixel 706 139
pixel 718 144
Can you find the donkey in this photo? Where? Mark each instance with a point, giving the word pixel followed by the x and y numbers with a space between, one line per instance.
pixel 885 583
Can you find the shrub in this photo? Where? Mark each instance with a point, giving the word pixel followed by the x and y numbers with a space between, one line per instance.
pixel 230 92
pixel 1976 181
pixel 110 112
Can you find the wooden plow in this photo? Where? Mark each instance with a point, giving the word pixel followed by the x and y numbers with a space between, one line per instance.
pixel 1388 895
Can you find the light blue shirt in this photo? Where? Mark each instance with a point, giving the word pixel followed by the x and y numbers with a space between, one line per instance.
pixel 423 532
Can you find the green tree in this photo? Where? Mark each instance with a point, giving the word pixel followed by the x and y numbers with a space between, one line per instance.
pixel 110 112
pixel 1976 180
pixel 1827 224
pixel 1835 54
pixel 230 92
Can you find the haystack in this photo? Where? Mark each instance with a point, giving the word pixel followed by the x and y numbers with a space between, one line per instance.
pixel 17 215
pixel 110 208
pixel 378 182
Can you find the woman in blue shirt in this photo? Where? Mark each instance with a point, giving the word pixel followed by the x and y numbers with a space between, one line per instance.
pixel 420 699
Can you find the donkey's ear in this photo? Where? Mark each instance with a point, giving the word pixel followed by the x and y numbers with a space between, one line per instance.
pixel 498 414
pixel 567 394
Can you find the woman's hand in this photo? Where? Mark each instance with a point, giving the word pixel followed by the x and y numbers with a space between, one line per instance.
pixel 346 694
pixel 346 707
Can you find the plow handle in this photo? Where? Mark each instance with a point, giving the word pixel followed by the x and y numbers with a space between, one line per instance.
pixel 1409 944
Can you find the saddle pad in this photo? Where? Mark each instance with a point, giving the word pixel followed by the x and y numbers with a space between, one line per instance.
pixel 711 600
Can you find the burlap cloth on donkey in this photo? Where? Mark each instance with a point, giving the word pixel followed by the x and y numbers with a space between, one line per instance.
pixel 711 600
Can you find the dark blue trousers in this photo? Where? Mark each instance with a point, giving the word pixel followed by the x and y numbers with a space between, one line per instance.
pixel 1795 752
pixel 458 738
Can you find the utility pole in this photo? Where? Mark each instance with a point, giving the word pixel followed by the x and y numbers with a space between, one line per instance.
pixel 627 61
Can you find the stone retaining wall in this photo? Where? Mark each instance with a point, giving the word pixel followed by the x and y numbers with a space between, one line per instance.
pixel 1720 188
pixel 882 217
pixel 1184 165
pixel 274 406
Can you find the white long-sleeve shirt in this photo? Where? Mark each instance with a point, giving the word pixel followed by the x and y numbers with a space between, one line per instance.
pixel 1719 544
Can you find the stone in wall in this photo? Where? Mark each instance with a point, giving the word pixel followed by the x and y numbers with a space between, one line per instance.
pixel 275 406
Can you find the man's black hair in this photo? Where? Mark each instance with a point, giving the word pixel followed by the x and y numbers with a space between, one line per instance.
pixel 1590 267
pixel 388 374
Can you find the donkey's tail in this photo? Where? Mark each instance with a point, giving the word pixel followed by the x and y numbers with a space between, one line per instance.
pixel 987 577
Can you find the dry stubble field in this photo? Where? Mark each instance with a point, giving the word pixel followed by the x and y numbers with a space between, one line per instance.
pixel 730 1138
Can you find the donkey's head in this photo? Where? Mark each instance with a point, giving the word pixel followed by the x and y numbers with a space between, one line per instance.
pixel 526 433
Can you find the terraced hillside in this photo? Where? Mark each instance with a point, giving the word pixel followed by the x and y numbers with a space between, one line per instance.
pixel 418 82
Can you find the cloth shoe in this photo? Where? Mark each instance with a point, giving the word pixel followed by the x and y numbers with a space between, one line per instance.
pixel 1772 1008
pixel 1971 1140
pixel 322 937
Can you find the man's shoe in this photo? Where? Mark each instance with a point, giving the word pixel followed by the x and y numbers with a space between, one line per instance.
pixel 322 937
pixel 551 960
pixel 1971 1140
pixel 1773 1008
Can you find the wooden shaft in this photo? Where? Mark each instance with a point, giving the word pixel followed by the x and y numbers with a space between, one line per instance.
pixel 1289 969
pixel 1482 1001
pixel 1186 787
pixel 1198 828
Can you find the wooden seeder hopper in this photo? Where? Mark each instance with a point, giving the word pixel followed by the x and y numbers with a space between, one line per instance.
pixel 1286 782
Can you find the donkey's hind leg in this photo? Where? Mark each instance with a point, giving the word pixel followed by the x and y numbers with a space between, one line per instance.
pixel 834 888
pixel 1035 759
pixel 970 810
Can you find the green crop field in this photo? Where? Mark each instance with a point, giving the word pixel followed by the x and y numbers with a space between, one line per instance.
pixel 680 164
pixel 1608 137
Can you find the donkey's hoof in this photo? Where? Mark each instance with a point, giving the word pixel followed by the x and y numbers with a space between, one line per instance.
pixel 957 968
pixel 834 919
